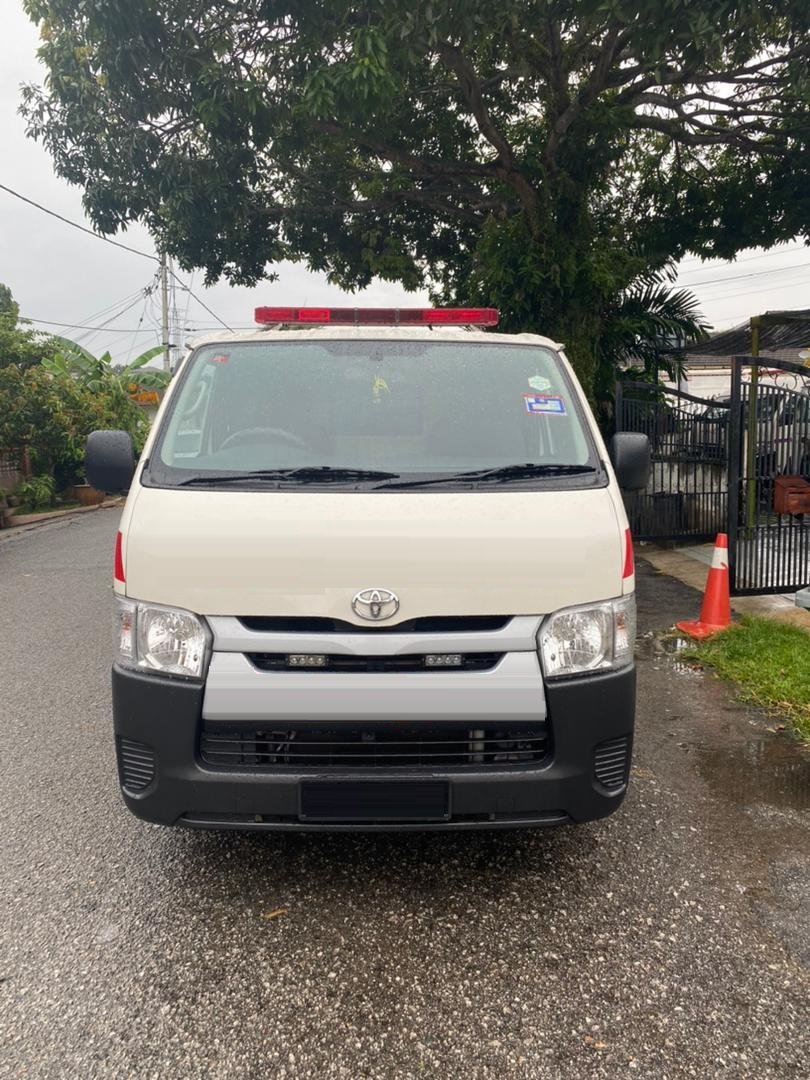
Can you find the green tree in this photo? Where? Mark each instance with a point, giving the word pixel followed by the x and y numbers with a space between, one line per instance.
pixel 543 156
pixel 53 414
pixel 19 345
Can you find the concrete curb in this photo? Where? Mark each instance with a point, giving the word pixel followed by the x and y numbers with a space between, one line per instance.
pixel 56 515
pixel 692 572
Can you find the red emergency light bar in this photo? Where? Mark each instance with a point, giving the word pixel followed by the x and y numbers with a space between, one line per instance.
pixel 379 316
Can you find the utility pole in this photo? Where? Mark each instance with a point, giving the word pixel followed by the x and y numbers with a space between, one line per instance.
pixel 164 307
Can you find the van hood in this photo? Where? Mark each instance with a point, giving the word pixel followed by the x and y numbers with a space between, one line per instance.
pixel 245 553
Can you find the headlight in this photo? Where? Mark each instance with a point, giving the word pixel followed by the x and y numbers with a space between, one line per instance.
pixel 599 637
pixel 163 640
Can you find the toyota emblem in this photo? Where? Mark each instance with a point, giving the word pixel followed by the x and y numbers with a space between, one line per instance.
pixel 374 604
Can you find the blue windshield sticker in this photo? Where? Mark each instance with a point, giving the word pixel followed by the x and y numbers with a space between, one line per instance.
pixel 544 405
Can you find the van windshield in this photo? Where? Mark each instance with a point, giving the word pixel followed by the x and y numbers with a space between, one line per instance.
pixel 383 413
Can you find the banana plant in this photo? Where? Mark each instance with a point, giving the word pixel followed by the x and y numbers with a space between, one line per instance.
pixel 97 373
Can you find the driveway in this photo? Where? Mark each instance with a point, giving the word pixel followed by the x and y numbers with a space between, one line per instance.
pixel 671 940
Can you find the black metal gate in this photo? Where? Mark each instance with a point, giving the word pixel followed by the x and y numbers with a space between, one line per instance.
pixel 769 466
pixel 726 466
pixel 687 496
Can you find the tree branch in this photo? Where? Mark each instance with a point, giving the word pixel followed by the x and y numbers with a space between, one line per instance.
pixel 595 84
pixel 418 165
pixel 453 58
pixel 439 202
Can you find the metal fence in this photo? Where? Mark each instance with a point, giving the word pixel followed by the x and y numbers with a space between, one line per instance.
pixel 740 466
pixel 687 495
pixel 769 462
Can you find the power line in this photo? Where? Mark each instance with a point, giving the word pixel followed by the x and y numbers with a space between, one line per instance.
pixel 115 310
pixel 90 332
pixel 742 277
pixel 110 307
pixel 82 326
pixel 137 330
pixel 750 292
pixel 76 225
pixel 115 243
pixel 202 304
pixel 750 258
pixel 183 327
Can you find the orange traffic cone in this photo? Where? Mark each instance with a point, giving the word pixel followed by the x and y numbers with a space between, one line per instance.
pixel 715 614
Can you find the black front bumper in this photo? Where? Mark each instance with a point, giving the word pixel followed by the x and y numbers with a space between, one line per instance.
pixel 158 723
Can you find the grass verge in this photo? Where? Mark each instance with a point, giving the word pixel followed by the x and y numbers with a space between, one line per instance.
pixel 771 663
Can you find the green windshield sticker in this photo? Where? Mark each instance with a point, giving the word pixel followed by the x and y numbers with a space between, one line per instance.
pixel 538 382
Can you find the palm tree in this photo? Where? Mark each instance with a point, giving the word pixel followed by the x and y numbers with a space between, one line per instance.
pixel 645 332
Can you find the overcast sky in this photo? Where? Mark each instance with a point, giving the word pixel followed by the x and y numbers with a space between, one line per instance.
pixel 56 273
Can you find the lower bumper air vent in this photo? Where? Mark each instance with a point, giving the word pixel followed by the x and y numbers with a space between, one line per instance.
pixel 611 762
pixel 403 748
pixel 136 764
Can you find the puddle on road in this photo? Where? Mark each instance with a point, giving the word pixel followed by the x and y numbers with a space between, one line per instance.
pixel 766 770
pixel 666 649
pixel 758 773
pixel 772 771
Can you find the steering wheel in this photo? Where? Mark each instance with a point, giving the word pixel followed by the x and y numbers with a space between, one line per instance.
pixel 258 434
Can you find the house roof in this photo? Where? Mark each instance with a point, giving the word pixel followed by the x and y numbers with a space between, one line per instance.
pixel 780 332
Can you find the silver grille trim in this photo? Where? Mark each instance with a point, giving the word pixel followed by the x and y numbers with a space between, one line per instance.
pixel 512 691
pixel 519 635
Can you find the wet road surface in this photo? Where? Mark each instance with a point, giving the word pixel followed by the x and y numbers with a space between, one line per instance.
pixel 671 940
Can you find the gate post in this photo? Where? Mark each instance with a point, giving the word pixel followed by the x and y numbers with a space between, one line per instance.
pixel 751 424
pixel 734 452
pixel 618 406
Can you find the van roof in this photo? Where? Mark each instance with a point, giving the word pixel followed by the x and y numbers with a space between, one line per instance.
pixel 373 333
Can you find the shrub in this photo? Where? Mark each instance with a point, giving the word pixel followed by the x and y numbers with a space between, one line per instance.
pixel 37 491
pixel 54 414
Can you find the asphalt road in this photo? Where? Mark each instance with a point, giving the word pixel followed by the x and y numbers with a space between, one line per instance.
pixel 672 940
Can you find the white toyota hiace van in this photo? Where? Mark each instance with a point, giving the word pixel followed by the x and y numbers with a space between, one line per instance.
pixel 373 572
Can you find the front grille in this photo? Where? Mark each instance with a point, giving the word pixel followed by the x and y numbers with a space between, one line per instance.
pixel 611 760
pixel 349 663
pixel 398 748
pixel 136 764
pixel 433 624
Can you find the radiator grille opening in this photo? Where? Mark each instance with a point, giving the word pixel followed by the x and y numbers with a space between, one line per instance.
pixel 136 764
pixel 339 663
pixel 399 748
pixel 432 624
pixel 611 762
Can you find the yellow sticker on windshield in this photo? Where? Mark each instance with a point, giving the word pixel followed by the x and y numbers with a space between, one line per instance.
pixel 378 388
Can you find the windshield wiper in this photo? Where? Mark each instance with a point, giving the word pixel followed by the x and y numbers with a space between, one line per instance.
pixel 503 473
pixel 304 474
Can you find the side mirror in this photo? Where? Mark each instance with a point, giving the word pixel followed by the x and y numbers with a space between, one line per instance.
pixel 632 459
pixel 109 460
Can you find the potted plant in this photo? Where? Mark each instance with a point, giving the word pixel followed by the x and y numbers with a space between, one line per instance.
pixel 88 496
